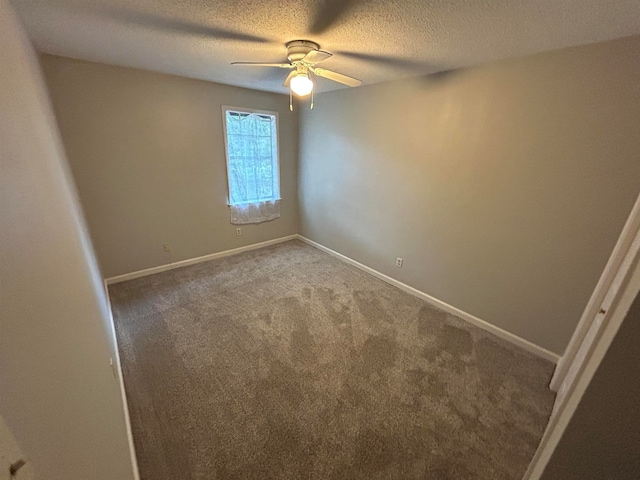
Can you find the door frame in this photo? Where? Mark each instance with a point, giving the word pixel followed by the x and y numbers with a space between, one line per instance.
pixel 592 338
pixel 605 282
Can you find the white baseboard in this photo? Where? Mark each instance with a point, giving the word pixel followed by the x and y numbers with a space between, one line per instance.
pixel 497 331
pixel 123 393
pixel 193 261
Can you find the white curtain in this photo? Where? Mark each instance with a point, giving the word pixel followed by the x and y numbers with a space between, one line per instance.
pixel 254 212
pixel 252 167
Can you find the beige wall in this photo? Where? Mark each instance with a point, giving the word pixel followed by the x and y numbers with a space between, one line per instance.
pixel 58 395
pixel 503 187
pixel 602 439
pixel 147 154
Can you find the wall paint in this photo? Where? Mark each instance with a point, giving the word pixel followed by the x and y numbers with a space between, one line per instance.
pixel 58 395
pixel 602 439
pixel 147 153
pixel 503 187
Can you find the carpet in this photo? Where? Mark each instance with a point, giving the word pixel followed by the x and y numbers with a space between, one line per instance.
pixel 286 363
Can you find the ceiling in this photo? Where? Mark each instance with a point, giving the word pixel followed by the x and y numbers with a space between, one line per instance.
pixel 373 40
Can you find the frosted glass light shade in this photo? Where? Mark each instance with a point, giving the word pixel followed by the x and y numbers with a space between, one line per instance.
pixel 301 85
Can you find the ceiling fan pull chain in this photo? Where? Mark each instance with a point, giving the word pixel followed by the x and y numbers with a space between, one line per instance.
pixel 290 100
pixel 311 107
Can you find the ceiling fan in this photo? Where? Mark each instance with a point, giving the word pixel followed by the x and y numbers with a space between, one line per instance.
pixel 303 56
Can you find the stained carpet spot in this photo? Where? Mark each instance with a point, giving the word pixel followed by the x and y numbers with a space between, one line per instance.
pixel 416 377
pixel 493 359
pixel 373 451
pixel 340 314
pixel 371 308
pixel 302 344
pixel 266 318
pixel 430 320
pixel 456 340
pixel 378 353
pixel 430 353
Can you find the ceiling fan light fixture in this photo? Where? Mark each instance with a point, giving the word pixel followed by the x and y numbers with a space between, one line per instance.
pixel 303 57
pixel 301 84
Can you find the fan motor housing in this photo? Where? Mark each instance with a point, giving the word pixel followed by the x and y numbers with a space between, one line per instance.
pixel 297 49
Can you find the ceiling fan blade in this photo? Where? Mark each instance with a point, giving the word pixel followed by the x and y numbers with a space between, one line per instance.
pixel 288 79
pixel 158 22
pixel 327 13
pixel 336 77
pixel 316 56
pixel 259 64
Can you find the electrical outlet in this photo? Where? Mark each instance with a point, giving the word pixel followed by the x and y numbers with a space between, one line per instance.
pixel 165 247
pixel 398 262
pixel 238 231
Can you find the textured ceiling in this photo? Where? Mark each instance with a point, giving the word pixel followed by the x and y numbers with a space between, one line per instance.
pixel 373 40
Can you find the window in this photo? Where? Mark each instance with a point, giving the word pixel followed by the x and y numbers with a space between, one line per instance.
pixel 252 165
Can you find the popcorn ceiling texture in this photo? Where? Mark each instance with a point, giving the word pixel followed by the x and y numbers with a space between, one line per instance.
pixel 199 38
pixel 285 363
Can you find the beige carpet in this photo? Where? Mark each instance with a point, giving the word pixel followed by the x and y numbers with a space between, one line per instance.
pixel 285 363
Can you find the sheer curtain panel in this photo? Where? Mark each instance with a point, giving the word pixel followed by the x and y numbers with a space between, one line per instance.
pixel 252 166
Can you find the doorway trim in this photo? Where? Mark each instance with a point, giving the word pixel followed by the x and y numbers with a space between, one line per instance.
pixel 605 282
pixel 592 338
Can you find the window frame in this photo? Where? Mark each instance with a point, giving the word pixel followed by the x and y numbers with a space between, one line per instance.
pixel 276 147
